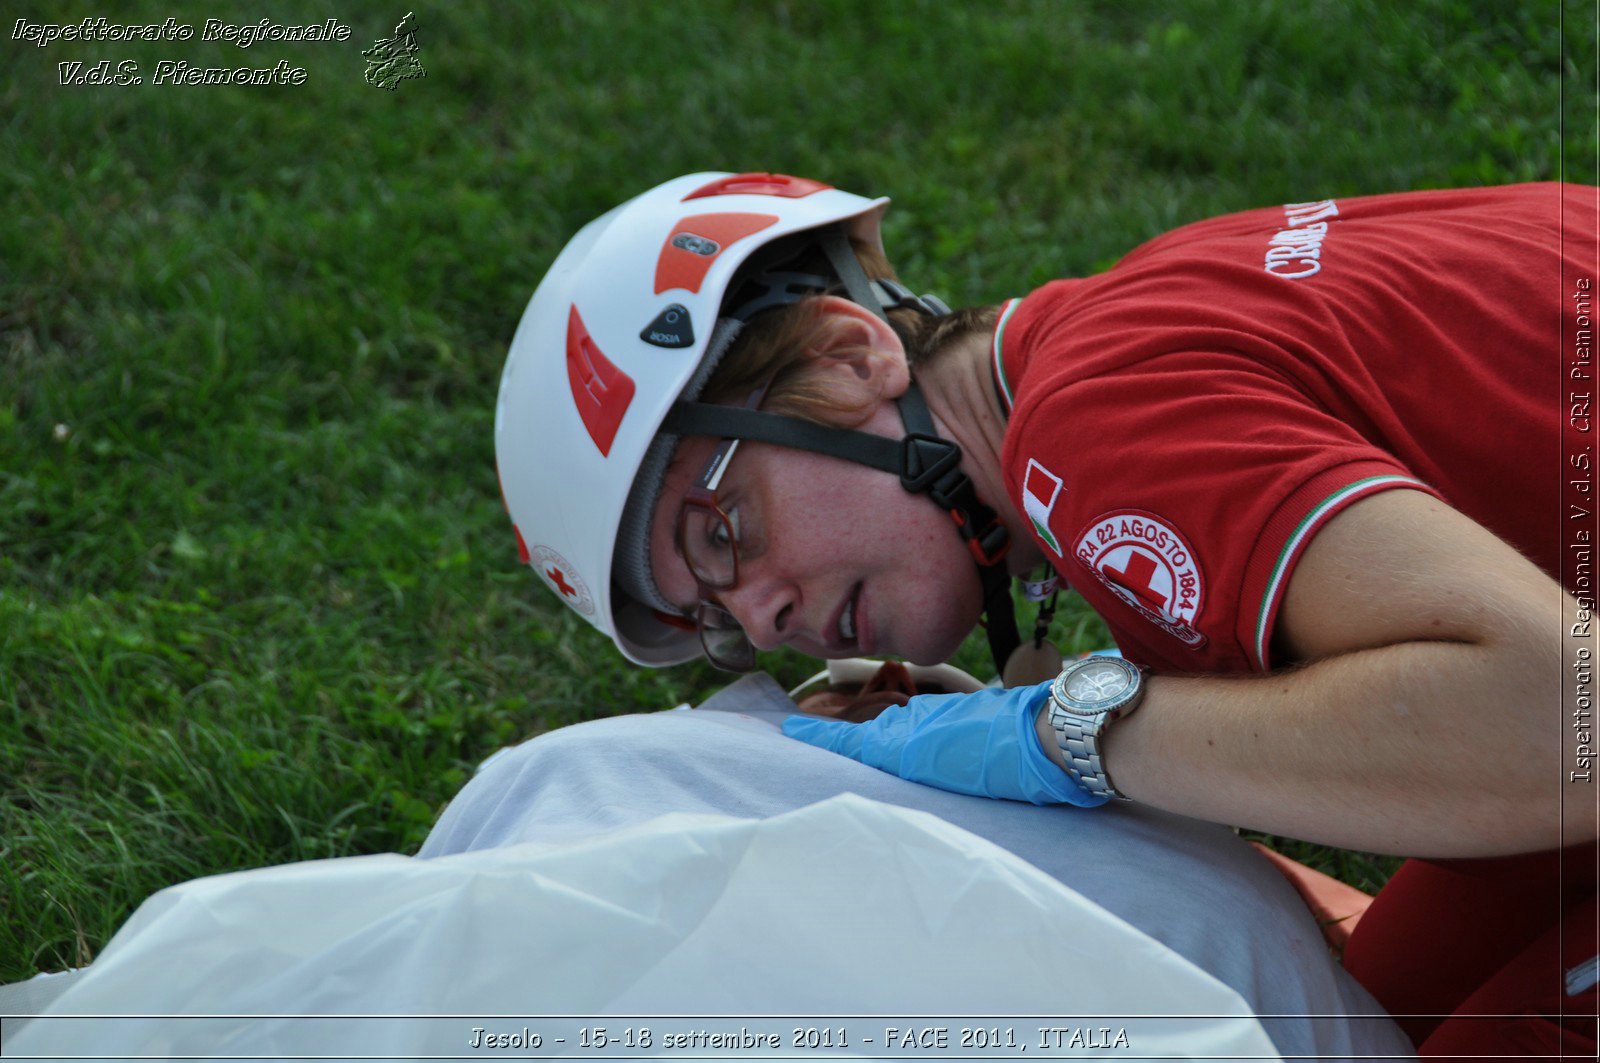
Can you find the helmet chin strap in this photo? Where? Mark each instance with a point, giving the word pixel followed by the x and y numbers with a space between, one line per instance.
pixel 923 461
pixel 986 538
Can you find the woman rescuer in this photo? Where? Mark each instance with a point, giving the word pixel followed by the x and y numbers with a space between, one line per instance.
pixel 1306 461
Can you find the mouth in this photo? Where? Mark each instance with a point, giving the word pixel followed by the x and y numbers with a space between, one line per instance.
pixel 848 626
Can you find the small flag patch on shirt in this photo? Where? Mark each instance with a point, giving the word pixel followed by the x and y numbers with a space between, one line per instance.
pixel 1040 488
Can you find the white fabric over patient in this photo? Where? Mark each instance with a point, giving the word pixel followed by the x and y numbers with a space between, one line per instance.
pixel 1192 886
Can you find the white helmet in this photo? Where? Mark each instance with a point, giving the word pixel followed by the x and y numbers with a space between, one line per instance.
pixel 627 321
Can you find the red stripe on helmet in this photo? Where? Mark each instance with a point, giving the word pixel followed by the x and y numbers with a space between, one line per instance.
pixel 759 184
pixel 600 390
pixel 687 253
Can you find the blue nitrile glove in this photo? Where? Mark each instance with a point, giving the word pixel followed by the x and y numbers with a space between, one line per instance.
pixel 982 744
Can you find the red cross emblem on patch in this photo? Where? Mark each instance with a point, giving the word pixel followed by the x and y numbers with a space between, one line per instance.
pixel 1144 561
pixel 1139 579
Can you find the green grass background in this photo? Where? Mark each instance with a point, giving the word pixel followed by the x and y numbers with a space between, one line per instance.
pixel 258 598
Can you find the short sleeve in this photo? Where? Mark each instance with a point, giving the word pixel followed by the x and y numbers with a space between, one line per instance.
pixel 1178 493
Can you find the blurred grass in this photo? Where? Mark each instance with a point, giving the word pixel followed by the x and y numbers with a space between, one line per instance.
pixel 258 599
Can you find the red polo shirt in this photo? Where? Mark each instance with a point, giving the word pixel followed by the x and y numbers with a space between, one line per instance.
pixel 1183 424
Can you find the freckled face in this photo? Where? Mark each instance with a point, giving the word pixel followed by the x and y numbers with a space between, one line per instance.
pixel 822 539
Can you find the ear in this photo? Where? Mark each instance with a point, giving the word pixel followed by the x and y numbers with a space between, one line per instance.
pixel 860 345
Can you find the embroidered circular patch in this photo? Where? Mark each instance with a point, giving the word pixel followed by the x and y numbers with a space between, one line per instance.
pixel 563 579
pixel 1143 560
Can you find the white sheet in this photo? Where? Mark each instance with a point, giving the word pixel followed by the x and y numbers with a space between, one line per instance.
pixel 815 912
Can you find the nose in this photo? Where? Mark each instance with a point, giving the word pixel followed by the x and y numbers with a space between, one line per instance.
pixel 767 608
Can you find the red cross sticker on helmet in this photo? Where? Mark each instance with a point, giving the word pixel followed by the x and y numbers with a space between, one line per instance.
pixel 559 573
pixel 561 584
pixel 600 390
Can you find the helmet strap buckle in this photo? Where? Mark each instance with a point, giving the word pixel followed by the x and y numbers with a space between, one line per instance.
pixel 988 546
pixel 925 460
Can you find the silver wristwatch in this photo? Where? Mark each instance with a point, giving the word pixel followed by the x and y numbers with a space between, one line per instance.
pixel 1084 699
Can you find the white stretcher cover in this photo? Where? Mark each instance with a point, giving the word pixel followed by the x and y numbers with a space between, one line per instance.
pixel 847 907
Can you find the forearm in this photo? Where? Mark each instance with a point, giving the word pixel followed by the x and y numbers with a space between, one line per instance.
pixel 1420 748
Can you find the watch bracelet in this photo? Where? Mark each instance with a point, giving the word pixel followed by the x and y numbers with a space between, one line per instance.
pixel 1082 753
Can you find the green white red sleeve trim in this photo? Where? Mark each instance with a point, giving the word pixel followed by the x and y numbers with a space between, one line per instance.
pixel 997 362
pixel 1296 522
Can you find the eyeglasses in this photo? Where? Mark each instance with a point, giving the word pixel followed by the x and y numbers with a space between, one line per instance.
pixel 708 537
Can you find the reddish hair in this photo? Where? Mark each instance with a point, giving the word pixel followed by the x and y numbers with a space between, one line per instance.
pixel 776 344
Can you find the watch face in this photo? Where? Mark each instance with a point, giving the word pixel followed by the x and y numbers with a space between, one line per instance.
pixel 1098 681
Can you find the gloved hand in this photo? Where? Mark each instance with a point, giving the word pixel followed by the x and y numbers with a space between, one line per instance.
pixel 982 744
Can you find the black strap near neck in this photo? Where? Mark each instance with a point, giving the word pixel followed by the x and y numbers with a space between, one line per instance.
pixel 1000 612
